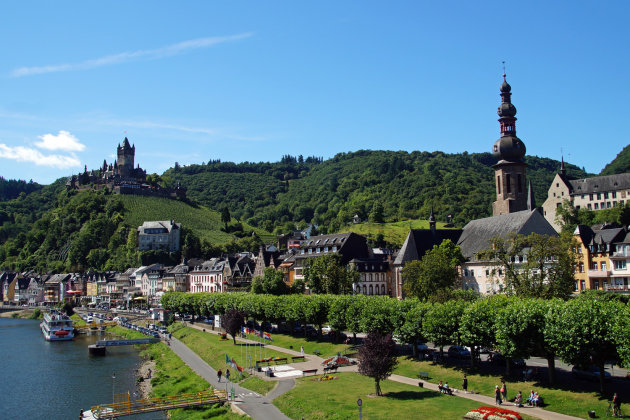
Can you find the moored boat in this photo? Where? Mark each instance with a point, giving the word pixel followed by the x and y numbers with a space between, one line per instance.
pixel 57 326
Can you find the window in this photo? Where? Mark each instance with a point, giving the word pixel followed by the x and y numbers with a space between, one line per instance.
pixel 614 194
pixel 498 184
pixel 590 197
pixel 603 266
pixel 620 265
pixel 335 248
pixel 326 249
pixel 519 181
pixel 487 273
pixel 317 250
pixel 581 267
pixel 508 183
pixel 582 285
pixel 605 196
pixel 599 196
pixel 596 284
pixel 608 205
pixel 596 206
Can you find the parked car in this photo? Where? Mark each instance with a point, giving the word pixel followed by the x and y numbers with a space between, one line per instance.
pixel 589 373
pixel 499 360
pixel 326 329
pixel 458 352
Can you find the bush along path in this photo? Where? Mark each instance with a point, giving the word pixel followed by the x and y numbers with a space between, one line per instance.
pixel 315 362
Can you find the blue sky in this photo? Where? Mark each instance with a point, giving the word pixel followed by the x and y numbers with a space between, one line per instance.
pixel 251 81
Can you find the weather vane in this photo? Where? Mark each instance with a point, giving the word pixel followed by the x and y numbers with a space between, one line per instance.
pixel 503 62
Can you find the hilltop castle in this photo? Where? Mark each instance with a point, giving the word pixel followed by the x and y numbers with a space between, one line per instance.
pixel 121 177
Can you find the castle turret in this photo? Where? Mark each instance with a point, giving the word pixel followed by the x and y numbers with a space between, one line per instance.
pixel 126 154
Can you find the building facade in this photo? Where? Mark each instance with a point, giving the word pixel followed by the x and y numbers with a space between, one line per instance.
pixel 160 235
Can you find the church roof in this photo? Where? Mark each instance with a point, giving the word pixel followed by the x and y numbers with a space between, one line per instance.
pixel 419 241
pixel 476 234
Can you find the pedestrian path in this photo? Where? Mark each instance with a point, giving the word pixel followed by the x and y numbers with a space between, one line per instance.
pixel 315 362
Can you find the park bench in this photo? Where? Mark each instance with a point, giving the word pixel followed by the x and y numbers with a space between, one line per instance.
pixel 262 362
pixel 307 371
pixel 280 360
pixel 423 375
pixel 330 368
pixel 294 358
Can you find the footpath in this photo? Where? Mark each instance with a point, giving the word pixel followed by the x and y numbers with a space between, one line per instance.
pixel 315 362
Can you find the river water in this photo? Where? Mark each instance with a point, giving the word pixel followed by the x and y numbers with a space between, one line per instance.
pixel 55 380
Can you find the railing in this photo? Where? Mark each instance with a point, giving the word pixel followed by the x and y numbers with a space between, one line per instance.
pixel 613 288
pixel 599 273
pixel 128 408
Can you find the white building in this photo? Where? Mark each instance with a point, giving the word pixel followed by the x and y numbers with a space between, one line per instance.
pixel 161 235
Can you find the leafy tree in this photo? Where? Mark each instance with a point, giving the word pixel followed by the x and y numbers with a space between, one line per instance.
pixel 273 282
pixel 326 274
pixel 376 216
pixel 582 331
pixel 442 321
pixel 435 271
pixel 232 321
pixel 549 267
pixel 225 216
pixel 479 324
pixel 377 358
pixel 410 329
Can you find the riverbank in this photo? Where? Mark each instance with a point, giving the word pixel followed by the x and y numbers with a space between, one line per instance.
pixel 22 313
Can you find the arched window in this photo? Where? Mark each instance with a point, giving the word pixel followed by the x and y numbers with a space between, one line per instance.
pixel 364 289
pixel 382 289
pixel 371 290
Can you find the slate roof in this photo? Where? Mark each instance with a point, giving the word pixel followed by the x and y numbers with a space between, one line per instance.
pixel 419 241
pixel 476 234
pixel 599 184
pixel 161 224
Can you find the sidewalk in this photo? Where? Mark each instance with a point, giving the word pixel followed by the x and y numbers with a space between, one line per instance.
pixel 315 362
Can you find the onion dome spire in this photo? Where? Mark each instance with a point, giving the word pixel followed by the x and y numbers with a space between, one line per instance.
pixel 509 147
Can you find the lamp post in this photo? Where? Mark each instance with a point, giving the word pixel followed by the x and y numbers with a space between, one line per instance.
pixel 360 403
pixel 113 382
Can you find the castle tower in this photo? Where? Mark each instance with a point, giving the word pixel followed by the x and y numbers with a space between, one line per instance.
pixel 126 154
pixel 510 169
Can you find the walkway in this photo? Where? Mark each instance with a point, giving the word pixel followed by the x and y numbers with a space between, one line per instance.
pixel 315 362
pixel 253 404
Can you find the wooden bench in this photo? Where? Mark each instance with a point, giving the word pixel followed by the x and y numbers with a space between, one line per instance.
pixel 294 358
pixel 280 360
pixel 262 362
pixel 423 375
pixel 330 369
pixel 307 371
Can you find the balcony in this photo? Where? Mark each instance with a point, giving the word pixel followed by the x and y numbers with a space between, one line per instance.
pixel 598 274
pixel 617 289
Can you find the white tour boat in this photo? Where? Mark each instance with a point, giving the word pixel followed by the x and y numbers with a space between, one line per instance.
pixel 57 326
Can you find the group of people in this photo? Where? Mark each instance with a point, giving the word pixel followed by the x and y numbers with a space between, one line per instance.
pixel 227 374
pixel 500 394
pixel 533 399
pixel 444 388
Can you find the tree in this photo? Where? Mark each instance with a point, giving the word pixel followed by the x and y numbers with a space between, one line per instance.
pixel 442 321
pixel 583 331
pixel 412 317
pixel 376 216
pixel 225 217
pixel 232 321
pixel 535 265
pixel 478 324
pixel 325 274
pixel 435 271
pixel 377 357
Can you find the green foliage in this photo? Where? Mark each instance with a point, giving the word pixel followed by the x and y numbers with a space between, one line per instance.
pixel 329 193
pixel 271 283
pixel 620 164
pixel 479 323
pixel 436 271
pixel 326 274
pixel 442 322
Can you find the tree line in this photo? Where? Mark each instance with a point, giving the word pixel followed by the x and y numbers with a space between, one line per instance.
pixel 592 328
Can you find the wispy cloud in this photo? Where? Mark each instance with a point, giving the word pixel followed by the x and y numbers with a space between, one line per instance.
pixel 153 54
pixel 62 141
pixel 31 155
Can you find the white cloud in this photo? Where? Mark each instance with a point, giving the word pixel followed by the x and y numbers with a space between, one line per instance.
pixel 63 141
pixel 154 54
pixel 30 155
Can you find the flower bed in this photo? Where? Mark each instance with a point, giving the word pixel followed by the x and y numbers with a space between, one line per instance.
pixel 492 413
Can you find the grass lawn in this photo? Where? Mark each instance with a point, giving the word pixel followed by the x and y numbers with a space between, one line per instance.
pixel 312 399
pixel 325 347
pixel 258 385
pixel 212 351
pixel 173 377
pixel 393 232
pixel 570 400
pixel 77 321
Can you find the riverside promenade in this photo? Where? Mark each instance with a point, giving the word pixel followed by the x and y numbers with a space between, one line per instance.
pixel 315 362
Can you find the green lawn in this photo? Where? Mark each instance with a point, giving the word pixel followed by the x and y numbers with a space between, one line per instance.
pixel 212 351
pixel 325 347
pixel 570 400
pixel 258 385
pixel 337 399
pixel 173 377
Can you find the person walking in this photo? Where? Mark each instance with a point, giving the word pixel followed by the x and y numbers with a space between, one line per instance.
pixel 227 375
pixel 219 373
pixel 465 384
pixel 497 394
pixel 302 350
pixel 503 390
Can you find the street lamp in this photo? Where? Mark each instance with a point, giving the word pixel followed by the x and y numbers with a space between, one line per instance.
pixel 113 382
pixel 360 403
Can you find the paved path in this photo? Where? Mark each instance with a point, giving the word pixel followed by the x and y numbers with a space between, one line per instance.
pixel 315 362
pixel 255 405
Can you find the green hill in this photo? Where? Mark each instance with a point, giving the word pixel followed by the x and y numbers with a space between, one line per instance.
pixel 394 233
pixel 620 164
pixel 328 193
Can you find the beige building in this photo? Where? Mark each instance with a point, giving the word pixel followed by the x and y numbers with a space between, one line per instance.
pixel 596 193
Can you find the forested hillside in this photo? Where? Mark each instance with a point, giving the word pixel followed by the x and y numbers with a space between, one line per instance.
pixel 329 193
pixel 619 165
pixel 97 230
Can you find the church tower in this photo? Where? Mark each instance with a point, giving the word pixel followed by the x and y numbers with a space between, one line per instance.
pixel 510 169
pixel 126 154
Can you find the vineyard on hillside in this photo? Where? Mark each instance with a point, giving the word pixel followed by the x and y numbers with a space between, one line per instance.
pixel 204 222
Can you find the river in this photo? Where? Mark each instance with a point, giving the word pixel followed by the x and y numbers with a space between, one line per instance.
pixel 55 380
